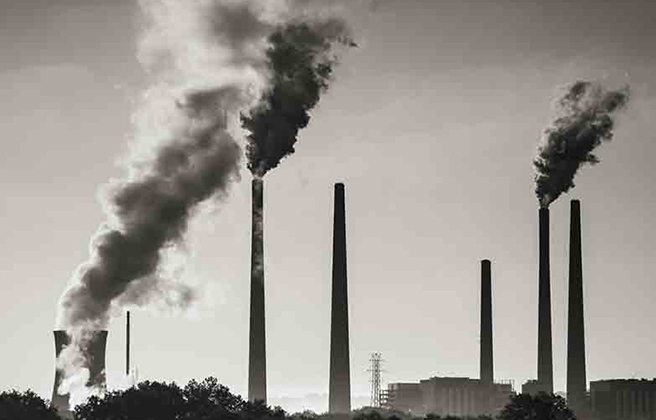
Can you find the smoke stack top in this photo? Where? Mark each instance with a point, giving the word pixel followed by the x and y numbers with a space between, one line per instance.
pixel 585 119
pixel 300 58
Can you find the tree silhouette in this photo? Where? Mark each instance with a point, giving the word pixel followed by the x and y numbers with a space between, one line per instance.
pixel 146 401
pixel 539 407
pixel 211 398
pixel 206 400
pixel 27 405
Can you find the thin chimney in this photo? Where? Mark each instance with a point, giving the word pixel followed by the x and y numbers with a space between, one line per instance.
pixel 487 367
pixel 127 344
pixel 545 356
pixel 257 342
pixel 339 396
pixel 576 378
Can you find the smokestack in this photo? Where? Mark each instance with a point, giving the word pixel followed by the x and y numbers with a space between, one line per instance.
pixel 257 343
pixel 487 366
pixel 339 396
pixel 127 345
pixel 545 357
pixel 94 355
pixel 576 380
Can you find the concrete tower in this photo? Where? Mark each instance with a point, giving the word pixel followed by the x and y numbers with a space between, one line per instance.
pixel 545 356
pixel 487 366
pixel 257 337
pixel 339 396
pixel 94 361
pixel 576 379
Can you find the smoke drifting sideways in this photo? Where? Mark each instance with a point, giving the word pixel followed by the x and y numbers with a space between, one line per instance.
pixel 208 63
pixel 301 58
pixel 586 118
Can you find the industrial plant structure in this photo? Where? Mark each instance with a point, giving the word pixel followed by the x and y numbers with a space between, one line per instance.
pixel 458 396
pixel 94 360
pixel 257 336
pixel 339 392
pixel 617 399
pixel 576 377
pixel 623 399
pixel 545 352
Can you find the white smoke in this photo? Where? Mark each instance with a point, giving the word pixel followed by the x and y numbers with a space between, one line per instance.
pixel 207 62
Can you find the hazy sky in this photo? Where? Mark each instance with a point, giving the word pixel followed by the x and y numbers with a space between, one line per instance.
pixel 431 124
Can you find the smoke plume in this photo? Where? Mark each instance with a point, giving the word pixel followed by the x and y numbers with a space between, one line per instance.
pixel 585 119
pixel 301 60
pixel 208 63
pixel 211 61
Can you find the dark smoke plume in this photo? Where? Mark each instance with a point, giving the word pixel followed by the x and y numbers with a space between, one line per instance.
pixel 586 119
pixel 209 62
pixel 301 65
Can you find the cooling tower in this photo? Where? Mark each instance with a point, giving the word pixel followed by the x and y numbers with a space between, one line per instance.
pixel 576 380
pixel 545 357
pixel 95 358
pixel 257 338
pixel 339 395
pixel 487 366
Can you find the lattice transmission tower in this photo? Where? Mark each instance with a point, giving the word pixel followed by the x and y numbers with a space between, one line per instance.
pixel 375 367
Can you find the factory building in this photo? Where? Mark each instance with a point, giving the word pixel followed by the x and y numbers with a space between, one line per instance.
pixel 623 399
pixel 448 396
pixel 534 387
pixel 458 396
pixel 403 396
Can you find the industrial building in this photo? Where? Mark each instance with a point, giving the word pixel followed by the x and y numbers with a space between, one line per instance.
pixel 458 396
pixel 620 399
pixel 534 387
pixel 448 396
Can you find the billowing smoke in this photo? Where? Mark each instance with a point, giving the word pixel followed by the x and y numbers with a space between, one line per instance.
pixel 301 57
pixel 208 61
pixel 585 119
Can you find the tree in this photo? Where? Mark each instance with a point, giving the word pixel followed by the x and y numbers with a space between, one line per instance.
pixel 539 407
pixel 146 401
pixel 208 396
pixel 206 400
pixel 27 405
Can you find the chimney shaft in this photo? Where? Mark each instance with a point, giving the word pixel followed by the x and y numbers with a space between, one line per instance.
pixel 487 366
pixel 545 357
pixel 127 344
pixel 339 396
pixel 95 362
pixel 257 341
pixel 576 378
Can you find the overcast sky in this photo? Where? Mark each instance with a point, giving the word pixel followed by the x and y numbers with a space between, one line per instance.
pixel 431 124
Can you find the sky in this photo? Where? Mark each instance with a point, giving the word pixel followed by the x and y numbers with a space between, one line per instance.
pixel 431 123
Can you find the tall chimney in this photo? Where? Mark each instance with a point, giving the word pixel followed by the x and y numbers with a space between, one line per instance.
pixel 339 396
pixel 576 380
pixel 545 357
pixel 487 366
pixel 95 362
pixel 257 341
pixel 127 345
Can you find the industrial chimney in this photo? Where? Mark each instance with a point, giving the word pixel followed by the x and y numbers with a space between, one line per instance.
pixel 576 379
pixel 127 344
pixel 487 366
pixel 257 340
pixel 95 359
pixel 339 394
pixel 545 357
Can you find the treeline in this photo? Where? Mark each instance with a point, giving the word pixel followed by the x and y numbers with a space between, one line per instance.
pixel 209 400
